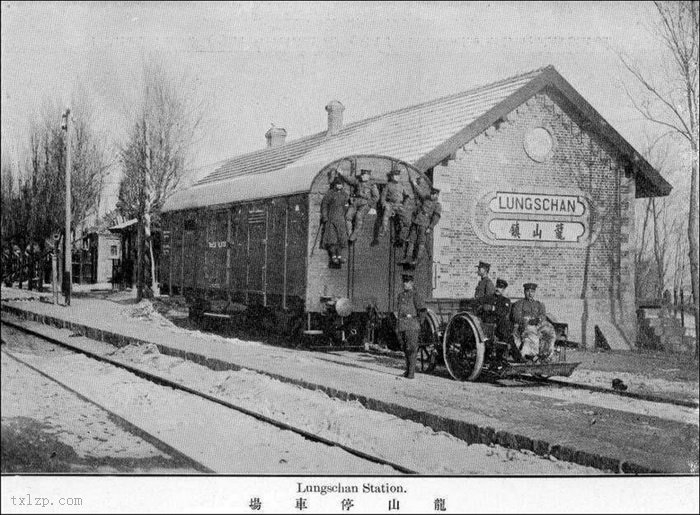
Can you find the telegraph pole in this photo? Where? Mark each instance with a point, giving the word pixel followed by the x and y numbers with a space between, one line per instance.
pixel 68 256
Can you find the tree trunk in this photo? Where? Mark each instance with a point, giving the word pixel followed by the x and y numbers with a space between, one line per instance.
pixel 693 244
pixel 153 290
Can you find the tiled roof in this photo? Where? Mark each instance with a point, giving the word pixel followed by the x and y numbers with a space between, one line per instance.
pixel 422 135
pixel 406 134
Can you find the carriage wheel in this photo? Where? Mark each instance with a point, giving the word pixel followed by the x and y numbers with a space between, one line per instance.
pixel 428 341
pixel 463 347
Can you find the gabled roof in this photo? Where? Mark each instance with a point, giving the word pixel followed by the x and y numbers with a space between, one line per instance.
pixel 424 135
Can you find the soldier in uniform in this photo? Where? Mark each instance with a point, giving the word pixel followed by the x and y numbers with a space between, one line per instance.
pixel 485 286
pixel 364 197
pixel 335 237
pixel 426 217
pixel 394 203
pixel 495 309
pixel 532 332
pixel 411 309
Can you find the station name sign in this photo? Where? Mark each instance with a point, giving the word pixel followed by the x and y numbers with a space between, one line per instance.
pixel 528 203
pixel 533 217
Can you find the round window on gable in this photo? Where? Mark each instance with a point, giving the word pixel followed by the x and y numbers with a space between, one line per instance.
pixel 538 144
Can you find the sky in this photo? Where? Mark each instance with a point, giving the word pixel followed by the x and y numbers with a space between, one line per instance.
pixel 257 64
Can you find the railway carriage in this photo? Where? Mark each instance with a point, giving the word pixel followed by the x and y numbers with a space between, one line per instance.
pixel 260 257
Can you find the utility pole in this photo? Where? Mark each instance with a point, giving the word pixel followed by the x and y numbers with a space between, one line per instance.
pixel 68 257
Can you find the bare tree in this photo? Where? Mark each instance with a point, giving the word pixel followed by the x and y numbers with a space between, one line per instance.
pixel 163 130
pixel 673 104
pixel 36 209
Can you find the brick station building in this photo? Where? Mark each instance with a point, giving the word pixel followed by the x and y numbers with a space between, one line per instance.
pixel 533 180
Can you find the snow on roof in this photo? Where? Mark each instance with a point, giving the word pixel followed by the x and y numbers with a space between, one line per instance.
pixel 423 135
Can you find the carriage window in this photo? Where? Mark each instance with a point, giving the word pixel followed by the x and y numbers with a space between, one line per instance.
pixel 113 251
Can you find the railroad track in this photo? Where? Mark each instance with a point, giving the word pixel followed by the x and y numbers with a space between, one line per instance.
pixel 600 389
pixel 163 381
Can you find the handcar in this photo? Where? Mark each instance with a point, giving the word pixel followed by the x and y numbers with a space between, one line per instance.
pixel 469 350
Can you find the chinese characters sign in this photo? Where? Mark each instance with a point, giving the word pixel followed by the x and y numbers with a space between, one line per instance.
pixel 532 230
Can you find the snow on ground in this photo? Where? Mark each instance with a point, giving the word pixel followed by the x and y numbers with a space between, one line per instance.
pixel 95 441
pixel 408 443
pixel 221 439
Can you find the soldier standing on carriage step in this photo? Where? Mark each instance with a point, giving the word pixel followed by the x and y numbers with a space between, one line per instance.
pixel 392 201
pixel 364 197
pixel 426 217
pixel 335 237
pixel 411 309
pixel 485 286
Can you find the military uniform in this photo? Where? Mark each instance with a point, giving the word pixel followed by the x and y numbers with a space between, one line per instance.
pixel 495 309
pixel 364 197
pixel 426 216
pixel 485 288
pixel 396 200
pixel 333 207
pixel 410 307
pixel 527 313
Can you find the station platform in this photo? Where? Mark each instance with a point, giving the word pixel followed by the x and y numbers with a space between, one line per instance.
pixel 612 437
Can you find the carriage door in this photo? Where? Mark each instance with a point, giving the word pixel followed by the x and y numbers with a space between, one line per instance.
pixel 257 254
pixel 189 254
pixel 372 262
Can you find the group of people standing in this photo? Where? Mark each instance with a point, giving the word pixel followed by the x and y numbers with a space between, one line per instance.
pixel 523 325
pixel 415 213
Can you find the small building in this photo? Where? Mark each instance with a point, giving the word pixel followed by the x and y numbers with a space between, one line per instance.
pixel 125 269
pixel 532 179
pixel 95 260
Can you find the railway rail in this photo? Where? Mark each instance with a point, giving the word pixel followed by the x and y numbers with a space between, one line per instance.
pixel 157 379
pixel 599 389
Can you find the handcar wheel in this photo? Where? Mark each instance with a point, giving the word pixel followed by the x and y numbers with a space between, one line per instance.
pixel 463 347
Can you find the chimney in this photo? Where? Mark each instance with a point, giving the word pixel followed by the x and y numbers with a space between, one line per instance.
pixel 335 117
pixel 275 136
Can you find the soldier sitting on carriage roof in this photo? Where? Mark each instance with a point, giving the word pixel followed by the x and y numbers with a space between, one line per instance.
pixel 533 334
pixel 363 198
pixel 394 203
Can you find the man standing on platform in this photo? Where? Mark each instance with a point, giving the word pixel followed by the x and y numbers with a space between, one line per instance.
pixel 411 309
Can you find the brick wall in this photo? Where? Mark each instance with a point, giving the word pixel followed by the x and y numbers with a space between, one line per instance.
pixel 587 283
